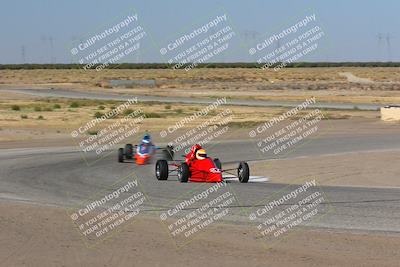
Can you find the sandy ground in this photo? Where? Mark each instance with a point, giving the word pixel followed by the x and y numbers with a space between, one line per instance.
pixel 327 84
pixel 354 79
pixel 371 169
pixel 24 124
pixel 33 235
pixel 56 127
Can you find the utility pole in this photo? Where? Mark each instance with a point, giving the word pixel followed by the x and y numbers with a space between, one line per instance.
pixel 23 54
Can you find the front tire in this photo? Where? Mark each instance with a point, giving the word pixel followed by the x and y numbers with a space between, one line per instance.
pixel 183 173
pixel 162 169
pixel 243 172
pixel 120 154
pixel 128 151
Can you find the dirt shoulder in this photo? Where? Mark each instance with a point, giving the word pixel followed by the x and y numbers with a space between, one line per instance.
pixel 29 119
pixel 365 169
pixel 33 235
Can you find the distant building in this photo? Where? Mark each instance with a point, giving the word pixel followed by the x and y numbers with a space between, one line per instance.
pixel 390 113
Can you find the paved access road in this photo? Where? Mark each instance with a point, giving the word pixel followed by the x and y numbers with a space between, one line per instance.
pixel 187 100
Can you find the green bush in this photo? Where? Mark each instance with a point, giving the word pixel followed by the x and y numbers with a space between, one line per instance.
pixel 15 107
pixel 167 107
pixel 212 113
pixel 40 117
pixel 56 106
pixel 152 115
pixel 47 109
pixel 128 111
pixel 74 105
pixel 98 114
pixel 102 107
pixel 37 108
pixel 24 116
pixel 243 124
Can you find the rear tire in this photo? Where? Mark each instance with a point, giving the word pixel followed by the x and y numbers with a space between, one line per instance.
pixel 128 151
pixel 183 173
pixel 162 169
pixel 218 163
pixel 243 172
pixel 120 154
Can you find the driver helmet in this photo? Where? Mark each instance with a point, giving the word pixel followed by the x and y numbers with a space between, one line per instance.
pixel 201 154
pixel 195 148
pixel 146 139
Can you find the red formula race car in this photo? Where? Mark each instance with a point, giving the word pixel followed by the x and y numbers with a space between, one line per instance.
pixel 197 167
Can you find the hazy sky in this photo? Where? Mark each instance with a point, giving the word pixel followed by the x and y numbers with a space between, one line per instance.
pixel 42 31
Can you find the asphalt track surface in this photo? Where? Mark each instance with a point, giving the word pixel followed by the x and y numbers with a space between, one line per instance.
pixel 186 100
pixel 66 177
pixel 60 176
